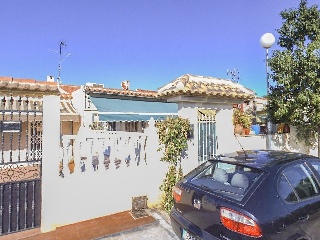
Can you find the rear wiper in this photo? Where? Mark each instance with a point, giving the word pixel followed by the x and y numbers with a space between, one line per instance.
pixel 228 192
pixel 220 190
pixel 207 188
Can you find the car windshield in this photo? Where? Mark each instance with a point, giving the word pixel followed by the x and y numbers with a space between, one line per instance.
pixel 227 179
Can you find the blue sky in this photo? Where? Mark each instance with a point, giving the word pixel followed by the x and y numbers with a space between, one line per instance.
pixel 148 42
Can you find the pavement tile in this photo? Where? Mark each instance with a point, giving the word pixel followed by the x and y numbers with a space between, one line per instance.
pixel 84 225
pixel 88 230
pixel 21 235
pixel 47 236
pixel 90 233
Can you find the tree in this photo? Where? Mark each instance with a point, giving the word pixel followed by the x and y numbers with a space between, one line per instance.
pixel 295 70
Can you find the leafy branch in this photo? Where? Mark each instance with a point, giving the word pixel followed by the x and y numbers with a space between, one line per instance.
pixel 173 137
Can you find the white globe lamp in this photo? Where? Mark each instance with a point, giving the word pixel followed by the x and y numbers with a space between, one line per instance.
pixel 267 40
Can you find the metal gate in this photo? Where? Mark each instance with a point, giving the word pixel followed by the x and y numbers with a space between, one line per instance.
pixel 20 163
pixel 206 134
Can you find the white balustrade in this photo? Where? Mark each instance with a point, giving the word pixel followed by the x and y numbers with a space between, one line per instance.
pixel 112 150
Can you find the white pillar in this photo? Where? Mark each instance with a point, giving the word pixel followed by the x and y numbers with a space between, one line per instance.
pixel 50 161
pixel 88 118
pixel 225 132
pixel 191 161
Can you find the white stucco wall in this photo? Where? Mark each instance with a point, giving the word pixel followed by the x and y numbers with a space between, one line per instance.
pixel 50 162
pixel 88 194
pixel 224 130
pixel 226 141
pixel 191 159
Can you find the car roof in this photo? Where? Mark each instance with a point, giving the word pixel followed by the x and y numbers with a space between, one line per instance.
pixel 260 159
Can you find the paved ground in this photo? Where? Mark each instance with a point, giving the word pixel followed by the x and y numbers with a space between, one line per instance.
pixel 119 226
pixel 160 230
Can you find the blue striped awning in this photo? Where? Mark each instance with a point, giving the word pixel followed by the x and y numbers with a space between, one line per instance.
pixel 110 109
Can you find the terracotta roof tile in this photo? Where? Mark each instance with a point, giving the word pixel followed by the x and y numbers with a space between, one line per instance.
pixel 212 87
pixel 26 80
pixel 113 91
pixel 35 87
pixel 67 90
pixel 192 86
pixel 28 86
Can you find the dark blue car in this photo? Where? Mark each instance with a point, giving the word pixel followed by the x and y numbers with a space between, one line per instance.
pixel 250 195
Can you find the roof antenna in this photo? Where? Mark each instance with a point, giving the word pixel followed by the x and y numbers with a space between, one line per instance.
pixel 235 75
pixel 244 151
pixel 61 60
pixel 61 44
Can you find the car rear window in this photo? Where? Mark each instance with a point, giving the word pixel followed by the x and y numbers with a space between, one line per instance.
pixel 226 179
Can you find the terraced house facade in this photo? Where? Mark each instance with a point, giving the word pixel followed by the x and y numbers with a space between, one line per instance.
pixel 72 153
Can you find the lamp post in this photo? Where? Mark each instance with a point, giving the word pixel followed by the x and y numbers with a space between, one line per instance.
pixel 266 41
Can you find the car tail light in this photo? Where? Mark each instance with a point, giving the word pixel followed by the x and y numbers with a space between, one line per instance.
pixel 177 193
pixel 240 223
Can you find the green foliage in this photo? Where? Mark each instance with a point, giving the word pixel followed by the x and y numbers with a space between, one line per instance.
pixel 166 187
pixel 173 136
pixel 295 96
pixel 307 135
pixel 242 118
pixel 173 133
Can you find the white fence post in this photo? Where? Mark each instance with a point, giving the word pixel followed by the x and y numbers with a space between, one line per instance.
pixel 50 160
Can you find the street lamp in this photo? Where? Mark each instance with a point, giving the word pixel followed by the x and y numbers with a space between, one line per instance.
pixel 266 41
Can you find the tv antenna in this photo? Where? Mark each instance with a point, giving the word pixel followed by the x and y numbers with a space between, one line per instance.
pixel 62 57
pixel 235 75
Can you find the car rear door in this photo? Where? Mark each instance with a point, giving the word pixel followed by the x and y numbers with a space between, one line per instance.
pixel 200 209
pixel 302 197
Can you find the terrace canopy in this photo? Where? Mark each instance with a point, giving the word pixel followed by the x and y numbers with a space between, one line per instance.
pixel 111 109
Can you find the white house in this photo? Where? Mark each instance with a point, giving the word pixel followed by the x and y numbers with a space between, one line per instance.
pixel 99 145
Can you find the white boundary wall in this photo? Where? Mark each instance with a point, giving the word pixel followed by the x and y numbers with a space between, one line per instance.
pixel 88 194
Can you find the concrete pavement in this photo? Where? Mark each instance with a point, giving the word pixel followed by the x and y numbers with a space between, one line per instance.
pixel 160 230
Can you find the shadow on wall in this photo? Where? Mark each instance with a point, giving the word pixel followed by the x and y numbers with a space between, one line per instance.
pixel 279 141
pixel 289 142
